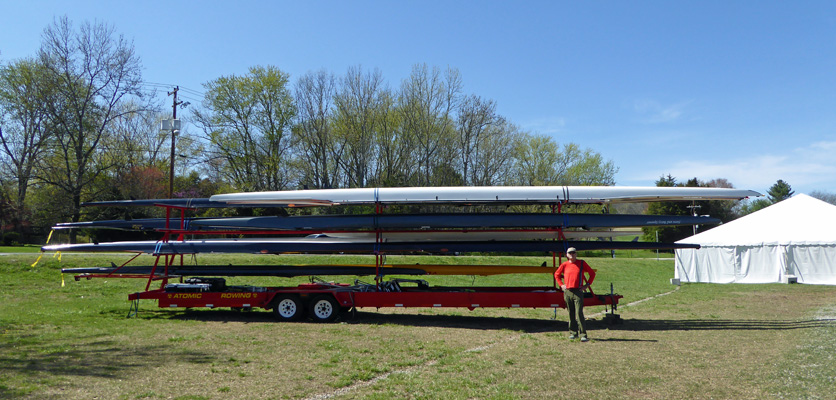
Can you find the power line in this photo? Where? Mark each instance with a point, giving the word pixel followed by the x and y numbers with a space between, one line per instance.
pixel 171 85
pixel 194 92
pixel 194 100
pixel 193 96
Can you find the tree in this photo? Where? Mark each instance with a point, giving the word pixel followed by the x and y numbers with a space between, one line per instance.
pixel 427 103
pixel 539 160
pixel 780 191
pixel 666 181
pixel 753 206
pixel 358 119
pixel 725 210
pixel 6 212
pixel 494 154
pixel 394 148
pixel 136 140
pixel 824 196
pixel 667 233
pixel 720 209
pixel 247 121
pixel 196 186
pixel 476 124
pixel 319 149
pixel 90 73
pixel 588 168
pixel 24 126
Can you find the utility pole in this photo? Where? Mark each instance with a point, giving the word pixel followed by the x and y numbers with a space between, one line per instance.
pixel 694 208
pixel 174 128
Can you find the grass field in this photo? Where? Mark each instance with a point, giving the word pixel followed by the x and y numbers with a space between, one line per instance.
pixel 699 341
pixel 20 249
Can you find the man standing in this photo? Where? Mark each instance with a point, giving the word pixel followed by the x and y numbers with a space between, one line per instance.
pixel 573 271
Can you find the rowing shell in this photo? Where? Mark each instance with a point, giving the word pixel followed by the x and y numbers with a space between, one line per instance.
pixel 310 270
pixel 330 245
pixel 457 236
pixel 405 221
pixel 482 194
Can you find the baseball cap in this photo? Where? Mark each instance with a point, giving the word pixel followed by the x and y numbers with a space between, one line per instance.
pixel 571 250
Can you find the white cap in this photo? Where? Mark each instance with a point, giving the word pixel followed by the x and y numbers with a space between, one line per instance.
pixel 571 250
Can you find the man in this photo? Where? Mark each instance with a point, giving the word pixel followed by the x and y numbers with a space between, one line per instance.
pixel 573 271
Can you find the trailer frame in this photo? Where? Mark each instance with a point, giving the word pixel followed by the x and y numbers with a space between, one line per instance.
pixel 323 301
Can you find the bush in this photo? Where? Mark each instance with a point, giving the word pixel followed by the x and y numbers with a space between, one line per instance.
pixel 11 239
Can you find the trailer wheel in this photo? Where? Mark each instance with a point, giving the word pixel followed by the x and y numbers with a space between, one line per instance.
pixel 289 308
pixel 323 308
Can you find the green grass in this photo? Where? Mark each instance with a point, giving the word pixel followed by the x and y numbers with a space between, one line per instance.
pixel 29 248
pixel 701 341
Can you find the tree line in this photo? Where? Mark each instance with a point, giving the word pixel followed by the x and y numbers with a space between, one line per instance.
pixel 329 131
pixel 724 210
pixel 78 124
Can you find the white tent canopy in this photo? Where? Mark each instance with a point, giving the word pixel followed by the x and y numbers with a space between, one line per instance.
pixel 795 237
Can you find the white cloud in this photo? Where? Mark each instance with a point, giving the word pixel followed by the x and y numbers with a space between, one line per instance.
pixel 824 152
pixel 546 126
pixel 806 169
pixel 653 112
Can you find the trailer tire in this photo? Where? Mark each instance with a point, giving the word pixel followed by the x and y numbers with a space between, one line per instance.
pixel 289 308
pixel 323 308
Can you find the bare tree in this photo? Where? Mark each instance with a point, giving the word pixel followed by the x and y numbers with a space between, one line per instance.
pixel 824 196
pixel 394 147
pixel 318 146
pixel 24 125
pixel 427 103
pixel 494 155
pixel 358 119
pixel 90 73
pixel 476 117
pixel 137 139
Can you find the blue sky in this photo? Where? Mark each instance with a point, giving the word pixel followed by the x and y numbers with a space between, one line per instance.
pixel 742 90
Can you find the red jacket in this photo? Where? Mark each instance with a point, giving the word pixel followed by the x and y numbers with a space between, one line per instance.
pixel 573 272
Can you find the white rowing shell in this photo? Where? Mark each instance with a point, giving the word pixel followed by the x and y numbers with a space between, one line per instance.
pixel 484 194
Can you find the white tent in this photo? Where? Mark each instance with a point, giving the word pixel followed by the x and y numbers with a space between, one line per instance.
pixel 795 237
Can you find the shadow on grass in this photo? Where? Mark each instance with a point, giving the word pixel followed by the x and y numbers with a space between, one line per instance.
pixel 525 325
pixel 92 357
pixel 207 315
pixel 717 324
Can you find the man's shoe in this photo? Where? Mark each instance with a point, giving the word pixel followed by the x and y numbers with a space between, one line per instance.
pixel 584 339
pixel 572 337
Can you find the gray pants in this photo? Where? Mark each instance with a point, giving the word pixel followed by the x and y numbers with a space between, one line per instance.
pixel 574 304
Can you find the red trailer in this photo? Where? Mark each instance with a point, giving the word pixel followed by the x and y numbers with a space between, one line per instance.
pixel 323 301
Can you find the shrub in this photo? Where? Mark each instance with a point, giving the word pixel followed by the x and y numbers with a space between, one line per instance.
pixel 11 239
